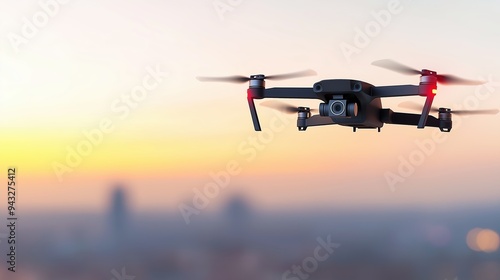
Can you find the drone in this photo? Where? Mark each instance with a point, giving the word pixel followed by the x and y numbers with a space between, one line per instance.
pixel 354 103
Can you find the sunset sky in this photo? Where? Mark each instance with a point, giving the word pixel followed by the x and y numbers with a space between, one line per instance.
pixel 83 59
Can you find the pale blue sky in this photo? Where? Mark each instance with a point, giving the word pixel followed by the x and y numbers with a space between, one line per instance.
pixel 90 52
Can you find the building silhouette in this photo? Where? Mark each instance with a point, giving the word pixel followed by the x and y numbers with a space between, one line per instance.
pixel 119 214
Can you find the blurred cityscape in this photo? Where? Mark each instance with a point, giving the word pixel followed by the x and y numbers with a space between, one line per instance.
pixel 240 242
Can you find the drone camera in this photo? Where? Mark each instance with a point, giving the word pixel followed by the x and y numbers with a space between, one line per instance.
pixel 338 108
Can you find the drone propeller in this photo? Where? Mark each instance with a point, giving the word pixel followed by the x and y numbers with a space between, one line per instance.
pixel 229 79
pixel 282 107
pixel 415 106
pixel 242 79
pixel 441 78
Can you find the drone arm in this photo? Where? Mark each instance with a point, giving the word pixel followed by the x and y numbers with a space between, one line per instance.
pixel 318 120
pixel 295 93
pixel 390 117
pixel 394 91
pixel 425 111
pixel 253 112
pixel 259 92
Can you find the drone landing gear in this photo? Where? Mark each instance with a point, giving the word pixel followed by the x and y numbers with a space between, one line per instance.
pixel 354 129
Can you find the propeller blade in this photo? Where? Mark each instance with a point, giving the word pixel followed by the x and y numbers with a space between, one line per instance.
pixel 418 107
pixel 282 107
pixel 476 112
pixel 304 73
pixel 242 79
pixel 454 80
pixel 231 79
pixel 442 78
pixel 396 66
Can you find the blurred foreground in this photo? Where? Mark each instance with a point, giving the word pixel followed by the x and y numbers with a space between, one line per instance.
pixel 241 243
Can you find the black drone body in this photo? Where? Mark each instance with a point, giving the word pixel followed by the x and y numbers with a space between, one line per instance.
pixel 355 103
